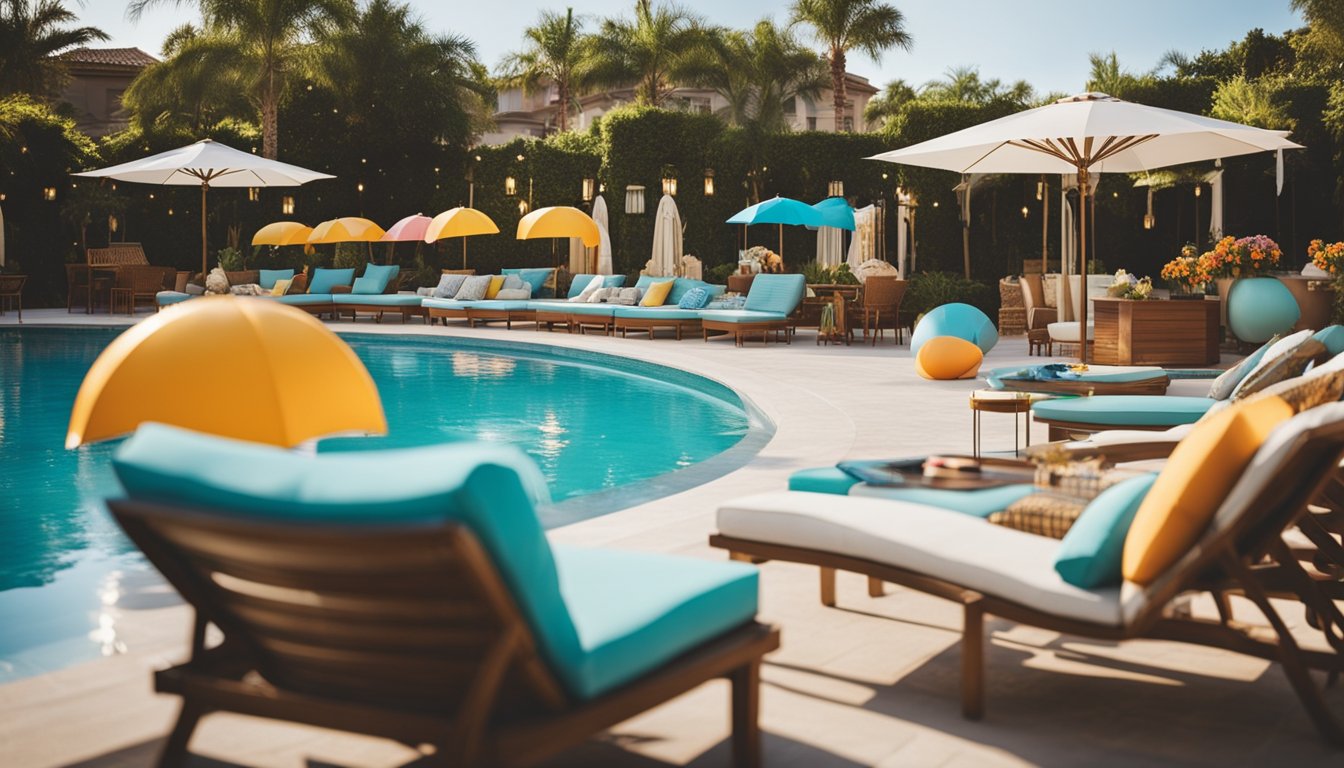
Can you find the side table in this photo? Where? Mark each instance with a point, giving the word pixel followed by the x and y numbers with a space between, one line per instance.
pixel 1003 401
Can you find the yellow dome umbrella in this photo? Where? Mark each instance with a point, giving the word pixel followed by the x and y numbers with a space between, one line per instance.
pixel 245 368
pixel 559 221
pixel 282 233
pixel 347 229
pixel 460 222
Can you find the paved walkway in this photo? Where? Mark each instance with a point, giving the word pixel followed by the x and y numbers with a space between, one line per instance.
pixel 872 682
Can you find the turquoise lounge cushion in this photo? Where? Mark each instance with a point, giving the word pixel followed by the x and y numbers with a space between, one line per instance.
pixel 509 305
pixel 960 320
pixel 376 278
pixel 325 279
pixel 449 304
pixel 1125 410
pixel 980 503
pixel 1098 373
pixel 775 293
pixel 1332 336
pixel 303 299
pixel 737 316
pixel 822 480
pixel 597 310
pixel 1090 554
pixel 267 277
pixel 664 312
pixel 581 281
pixel 379 299
pixel 537 278
pixel 645 281
pixel 164 298
pixel 635 611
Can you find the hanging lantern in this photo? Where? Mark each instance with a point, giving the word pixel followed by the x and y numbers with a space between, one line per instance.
pixel 253 194
pixel 287 205
pixel 522 207
pixel 835 189
pixel 1149 220
pixel 588 186
pixel 510 186
pixel 669 180
pixel 634 199
pixel 1025 212
pixel 49 193
pixel 709 182
pixel 1199 190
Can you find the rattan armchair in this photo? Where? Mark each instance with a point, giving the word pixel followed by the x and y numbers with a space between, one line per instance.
pixel 882 295
pixel 136 284
pixel 11 293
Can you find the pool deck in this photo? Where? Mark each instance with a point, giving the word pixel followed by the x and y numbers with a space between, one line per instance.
pixel 873 682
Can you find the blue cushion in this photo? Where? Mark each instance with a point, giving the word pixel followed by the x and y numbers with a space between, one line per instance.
pixel 1090 554
pixel 613 281
pixel 645 281
pixel 376 278
pixel 737 316
pixel 267 277
pixel 1332 336
pixel 977 503
pixel 537 278
pixel 635 611
pixel 776 293
pixel 1125 410
pixel 580 282
pixel 960 320
pixel 822 480
pixel 696 298
pixel 164 298
pixel 681 286
pixel 657 313
pixel 325 279
pixel 378 299
pixel 600 310
pixel 304 299
pixel 433 303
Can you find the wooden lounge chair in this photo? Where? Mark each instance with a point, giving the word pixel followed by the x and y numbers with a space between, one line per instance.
pixel 1242 552
pixel 772 299
pixel 1097 380
pixel 432 611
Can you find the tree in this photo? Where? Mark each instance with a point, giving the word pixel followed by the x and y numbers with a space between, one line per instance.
pixel 1108 77
pixel 196 84
pixel 867 25
pixel 964 84
pixel 1251 102
pixel 271 44
pixel 758 72
pixel 552 56
pixel 887 104
pixel 1326 18
pixel 655 51
pixel 33 33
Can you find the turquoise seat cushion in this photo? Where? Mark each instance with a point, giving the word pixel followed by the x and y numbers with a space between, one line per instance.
pixel 1097 373
pixel 450 304
pixel 325 279
pixel 376 278
pixel 267 277
pixel 1332 336
pixel 537 278
pixel 822 480
pixel 1125 410
pixel 978 503
pixel 636 611
pixel 507 305
pixel 960 320
pixel 379 299
pixel 1090 554
pixel 304 299
pixel 664 312
pixel 780 294
pixel 164 298
pixel 489 488
pixel 738 316
pixel 596 310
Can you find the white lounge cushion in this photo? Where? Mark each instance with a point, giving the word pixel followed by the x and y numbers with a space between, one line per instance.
pixel 958 548
pixel 1067 331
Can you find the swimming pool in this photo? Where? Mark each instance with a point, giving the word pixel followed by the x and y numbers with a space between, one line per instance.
pixel 606 432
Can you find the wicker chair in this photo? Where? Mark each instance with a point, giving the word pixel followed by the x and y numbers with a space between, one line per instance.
pixel 1039 316
pixel 882 295
pixel 87 284
pixel 136 284
pixel 11 293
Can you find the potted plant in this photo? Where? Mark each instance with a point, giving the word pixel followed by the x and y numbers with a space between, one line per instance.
pixel 1255 305
pixel 1185 274
pixel 1329 258
pixel 1127 286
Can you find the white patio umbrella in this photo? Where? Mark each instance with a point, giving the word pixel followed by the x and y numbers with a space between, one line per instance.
pixel 1085 134
pixel 604 247
pixel 208 164
pixel 667 237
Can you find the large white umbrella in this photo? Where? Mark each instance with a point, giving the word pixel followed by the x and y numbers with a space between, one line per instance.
pixel 667 237
pixel 604 247
pixel 1085 134
pixel 208 164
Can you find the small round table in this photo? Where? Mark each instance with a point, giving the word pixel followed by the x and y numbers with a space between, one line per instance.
pixel 1003 401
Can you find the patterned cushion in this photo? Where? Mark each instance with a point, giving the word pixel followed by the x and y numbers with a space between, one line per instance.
pixel 627 297
pixel 696 298
pixel 1307 392
pixel 473 288
pixel 603 294
pixel 516 283
pixel 1289 365
pixel 448 286
pixel 595 282
pixel 1044 514
pixel 1227 382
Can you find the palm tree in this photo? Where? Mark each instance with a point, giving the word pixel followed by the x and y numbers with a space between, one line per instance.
pixel 963 84
pixel 272 39
pixel 32 35
pixel 889 102
pixel 655 51
pixel 758 72
pixel 552 56
pixel 868 25
pixel 1108 77
pixel 196 84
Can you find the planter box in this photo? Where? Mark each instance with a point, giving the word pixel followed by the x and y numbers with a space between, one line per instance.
pixel 1155 332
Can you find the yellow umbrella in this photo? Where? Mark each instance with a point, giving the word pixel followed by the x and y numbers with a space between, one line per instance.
pixel 282 233
pixel 460 222
pixel 346 229
pixel 559 221
pixel 245 368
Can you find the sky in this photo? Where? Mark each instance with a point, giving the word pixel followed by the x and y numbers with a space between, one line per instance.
pixel 1045 42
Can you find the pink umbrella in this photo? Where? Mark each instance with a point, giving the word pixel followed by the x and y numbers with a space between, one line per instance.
pixel 408 229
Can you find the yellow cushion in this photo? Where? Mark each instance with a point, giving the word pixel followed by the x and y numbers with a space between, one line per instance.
pixel 948 357
pixel 1197 477
pixel 656 294
pixel 496 283
pixel 281 287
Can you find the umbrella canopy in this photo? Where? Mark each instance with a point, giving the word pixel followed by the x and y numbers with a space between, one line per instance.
pixel 208 164
pixel 300 382
pixel 604 248
pixel 779 210
pixel 1085 134
pixel 409 229
pixel 282 233
pixel 836 212
pixel 667 246
pixel 347 229
pixel 460 222
pixel 559 221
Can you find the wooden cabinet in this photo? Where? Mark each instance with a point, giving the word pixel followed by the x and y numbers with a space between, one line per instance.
pixel 1155 332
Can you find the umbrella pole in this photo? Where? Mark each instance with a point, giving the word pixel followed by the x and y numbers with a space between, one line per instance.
pixel 205 186
pixel 1082 264
pixel 464 251
pixel 781 242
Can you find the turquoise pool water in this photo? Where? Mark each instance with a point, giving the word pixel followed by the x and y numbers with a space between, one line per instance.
pixel 604 431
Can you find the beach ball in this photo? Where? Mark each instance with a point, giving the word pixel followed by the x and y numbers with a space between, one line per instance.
pixel 960 320
pixel 944 358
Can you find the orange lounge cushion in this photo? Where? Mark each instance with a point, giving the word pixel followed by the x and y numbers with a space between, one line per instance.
pixel 656 294
pixel 1197 477
pixel 944 358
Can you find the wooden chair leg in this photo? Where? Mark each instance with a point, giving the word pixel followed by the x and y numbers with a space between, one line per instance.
pixel 746 681
pixel 973 661
pixel 175 748
pixel 876 587
pixel 828 587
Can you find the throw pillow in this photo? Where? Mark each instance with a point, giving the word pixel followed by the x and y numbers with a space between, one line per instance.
pixel 515 283
pixel 193 289
pixel 279 287
pixel 1289 365
pixel 473 288
pixel 1274 351
pixel 1332 336
pixel 594 284
pixel 496 283
pixel 267 278
pixel 326 279
pixel 368 285
pixel 626 297
pixel 656 294
pixel 426 292
pixel 448 286
pixel 696 298
pixel 1317 387
pixel 515 294
pixel 1197 477
pixel 1227 381
pixel 1089 556
pixel 602 295
pixel 1044 514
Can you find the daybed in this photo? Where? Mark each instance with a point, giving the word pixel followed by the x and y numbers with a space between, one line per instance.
pixel 770 302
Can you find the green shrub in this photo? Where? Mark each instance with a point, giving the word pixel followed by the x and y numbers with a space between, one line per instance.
pixel 718 274
pixel 230 259
pixel 350 255
pixel 816 274
pixel 933 289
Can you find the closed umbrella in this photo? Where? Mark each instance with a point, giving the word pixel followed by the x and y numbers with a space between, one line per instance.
pixel 1086 134
pixel 209 164
pixel 780 211
pixel 666 254
pixel 460 222
pixel 603 266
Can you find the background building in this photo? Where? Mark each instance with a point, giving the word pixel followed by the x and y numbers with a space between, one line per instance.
pixel 98 77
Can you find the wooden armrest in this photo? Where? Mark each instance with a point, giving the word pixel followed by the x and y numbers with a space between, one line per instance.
pixel 1039 317
pixel 1114 453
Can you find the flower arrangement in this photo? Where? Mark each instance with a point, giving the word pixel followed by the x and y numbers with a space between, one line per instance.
pixel 1241 257
pixel 1327 256
pixel 765 260
pixel 1127 286
pixel 1186 273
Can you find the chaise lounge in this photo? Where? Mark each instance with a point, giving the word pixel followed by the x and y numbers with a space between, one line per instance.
pixel 770 302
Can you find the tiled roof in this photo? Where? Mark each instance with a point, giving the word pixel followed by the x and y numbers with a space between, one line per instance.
pixel 113 57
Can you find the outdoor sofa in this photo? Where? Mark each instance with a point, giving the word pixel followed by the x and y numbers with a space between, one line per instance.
pixel 770 303
pixel 413 595
pixel 333 292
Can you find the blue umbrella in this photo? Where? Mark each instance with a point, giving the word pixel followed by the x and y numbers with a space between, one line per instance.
pixel 781 211
pixel 836 212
